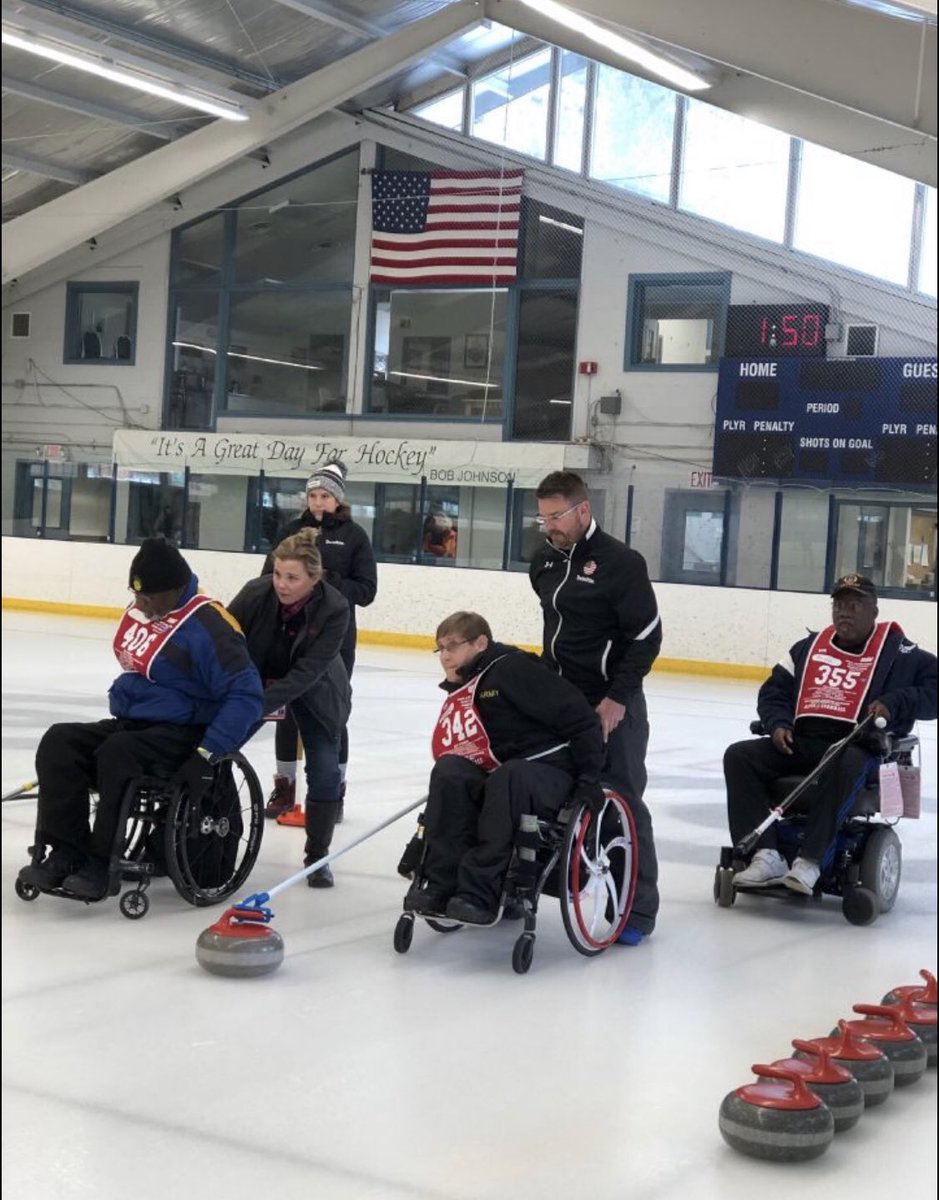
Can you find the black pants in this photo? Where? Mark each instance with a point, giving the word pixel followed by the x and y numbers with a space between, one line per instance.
pixel 625 771
pixel 472 817
pixel 286 733
pixel 751 766
pixel 103 756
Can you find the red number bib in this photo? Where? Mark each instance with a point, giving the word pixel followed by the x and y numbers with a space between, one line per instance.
pixel 834 682
pixel 138 641
pixel 459 729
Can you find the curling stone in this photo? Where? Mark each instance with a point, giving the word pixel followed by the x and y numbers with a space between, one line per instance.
pixel 240 944
pixel 834 1085
pixel 921 993
pixel 890 1034
pixel 869 1066
pixel 921 1018
pixel 777 1118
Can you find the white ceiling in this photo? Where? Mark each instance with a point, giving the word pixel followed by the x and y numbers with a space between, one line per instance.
pixel 856 75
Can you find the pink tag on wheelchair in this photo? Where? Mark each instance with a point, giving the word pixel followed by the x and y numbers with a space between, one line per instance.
pixel 910 788
pixel 891 795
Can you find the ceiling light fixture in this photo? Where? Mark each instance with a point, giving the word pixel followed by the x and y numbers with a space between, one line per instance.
pixel 633 52
pixel 106 68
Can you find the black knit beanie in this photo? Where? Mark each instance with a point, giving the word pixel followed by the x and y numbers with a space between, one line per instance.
pixel 158 567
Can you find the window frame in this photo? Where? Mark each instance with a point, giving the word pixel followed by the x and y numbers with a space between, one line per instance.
pixel 77 288
pixel 718 282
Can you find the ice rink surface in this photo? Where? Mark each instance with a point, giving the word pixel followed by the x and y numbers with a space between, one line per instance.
pixel 354 1072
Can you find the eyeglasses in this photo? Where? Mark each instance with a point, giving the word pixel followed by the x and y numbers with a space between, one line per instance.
pixel 450 646
pixel 552 517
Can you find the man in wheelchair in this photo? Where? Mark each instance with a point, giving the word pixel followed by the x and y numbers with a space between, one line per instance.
pixel 188 693
pixel 512 738
pixel 816 693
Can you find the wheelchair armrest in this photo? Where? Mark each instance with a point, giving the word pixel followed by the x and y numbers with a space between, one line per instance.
pixel 758 727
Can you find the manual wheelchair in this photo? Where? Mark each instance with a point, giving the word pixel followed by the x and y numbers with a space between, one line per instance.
pixel 863 865
pixel 589 862
pixel 207 845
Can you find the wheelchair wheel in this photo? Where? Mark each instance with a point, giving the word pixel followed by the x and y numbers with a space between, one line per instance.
pixel 25 891
pixel 860 906
pixel 880 867
pixel 134 905
pixel 724 892
pixel 404 933
pixel 522 953
pixel 212 844
pixel 598 868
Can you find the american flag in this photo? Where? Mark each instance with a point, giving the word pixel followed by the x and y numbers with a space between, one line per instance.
pixel 445 227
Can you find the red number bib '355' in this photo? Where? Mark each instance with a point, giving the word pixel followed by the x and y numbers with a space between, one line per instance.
pixel 835 682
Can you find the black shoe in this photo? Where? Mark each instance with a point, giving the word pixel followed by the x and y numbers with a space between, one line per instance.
pixel 323 878
pixel 426 902
pixel 51 873
pixel 90 882
pixel 468 911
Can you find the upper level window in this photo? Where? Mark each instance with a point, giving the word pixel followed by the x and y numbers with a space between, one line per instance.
pixel 510 106
pixel 443 110
pixel 676 320
pixel 633 130
pixel 734 171
pixel 927 254
pixel 101 323
pixel 572 104
pixel 852 213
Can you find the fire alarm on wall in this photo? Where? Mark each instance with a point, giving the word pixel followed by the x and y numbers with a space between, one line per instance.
pixel 587 368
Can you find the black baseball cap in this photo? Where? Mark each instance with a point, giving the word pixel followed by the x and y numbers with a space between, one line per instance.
pixel 855 583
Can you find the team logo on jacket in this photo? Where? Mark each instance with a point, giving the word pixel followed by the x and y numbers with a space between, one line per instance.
pixel 589 566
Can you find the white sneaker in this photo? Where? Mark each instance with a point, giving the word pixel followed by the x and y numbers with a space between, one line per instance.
pixel 766 868
pixel 803 876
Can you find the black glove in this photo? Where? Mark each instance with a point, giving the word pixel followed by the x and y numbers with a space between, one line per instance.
pixel 197 772
pixel 589 793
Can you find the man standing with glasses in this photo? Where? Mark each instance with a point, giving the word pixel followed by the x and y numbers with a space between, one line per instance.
pixel 602 632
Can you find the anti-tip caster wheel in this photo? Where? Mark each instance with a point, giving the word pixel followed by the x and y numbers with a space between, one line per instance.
pixel 724 893
pixel 25 891
pixel 404 933
pixel 522 953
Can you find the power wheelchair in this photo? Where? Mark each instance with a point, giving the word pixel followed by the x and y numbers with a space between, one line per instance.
pixel 589 862
pixel 207 844
pixel 864 863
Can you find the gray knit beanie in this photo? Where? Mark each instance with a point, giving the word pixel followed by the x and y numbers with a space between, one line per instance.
pixel 331 477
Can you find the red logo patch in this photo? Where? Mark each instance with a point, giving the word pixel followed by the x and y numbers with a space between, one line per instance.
pixel 589 567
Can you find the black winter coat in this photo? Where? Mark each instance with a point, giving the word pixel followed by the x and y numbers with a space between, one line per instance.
pixel 602 629
pixel 526 709
pixel 317 677
pixel 348 563
pixel 904 681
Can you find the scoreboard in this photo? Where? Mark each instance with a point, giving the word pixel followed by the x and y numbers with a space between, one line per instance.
pixel 836 422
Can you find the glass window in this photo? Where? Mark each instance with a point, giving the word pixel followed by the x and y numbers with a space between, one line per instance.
pixel 286 352
pixel 153 503
pixel 803 541
pixel 194 354
pixel 444 110
pixel 198 252
pixel 510 106
pixel 892 544
pixel 572 104
pixel 397 535
pixel 734 171
pixel 633 131
pixel 552 242
pixel 301 231
pixel 852 213
pixel 927 255
pixel 439 353
pixel 544 380
pixel 676 321
pixel 101 323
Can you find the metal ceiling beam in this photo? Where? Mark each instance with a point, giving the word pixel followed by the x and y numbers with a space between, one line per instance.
pixel 47 169
pixel 170 47
pixel 38 236
pixel 809 114
pixel 858 58
pixel 166 132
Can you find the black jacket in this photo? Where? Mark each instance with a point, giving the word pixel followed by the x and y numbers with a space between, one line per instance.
pixel 905 681
pixel 348 562
pixel 526 710
pixel 316 677
pixel 602 629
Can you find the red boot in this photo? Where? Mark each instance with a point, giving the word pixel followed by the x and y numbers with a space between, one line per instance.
pixel 282 798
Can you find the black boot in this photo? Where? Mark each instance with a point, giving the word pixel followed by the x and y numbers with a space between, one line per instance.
pixel 320 822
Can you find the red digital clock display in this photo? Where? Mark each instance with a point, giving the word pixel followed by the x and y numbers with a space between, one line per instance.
pixel 776 331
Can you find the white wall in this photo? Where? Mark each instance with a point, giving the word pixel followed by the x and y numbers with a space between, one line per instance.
pixel 703 625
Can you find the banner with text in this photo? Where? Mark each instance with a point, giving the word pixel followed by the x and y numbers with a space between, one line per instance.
pixel 368 459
